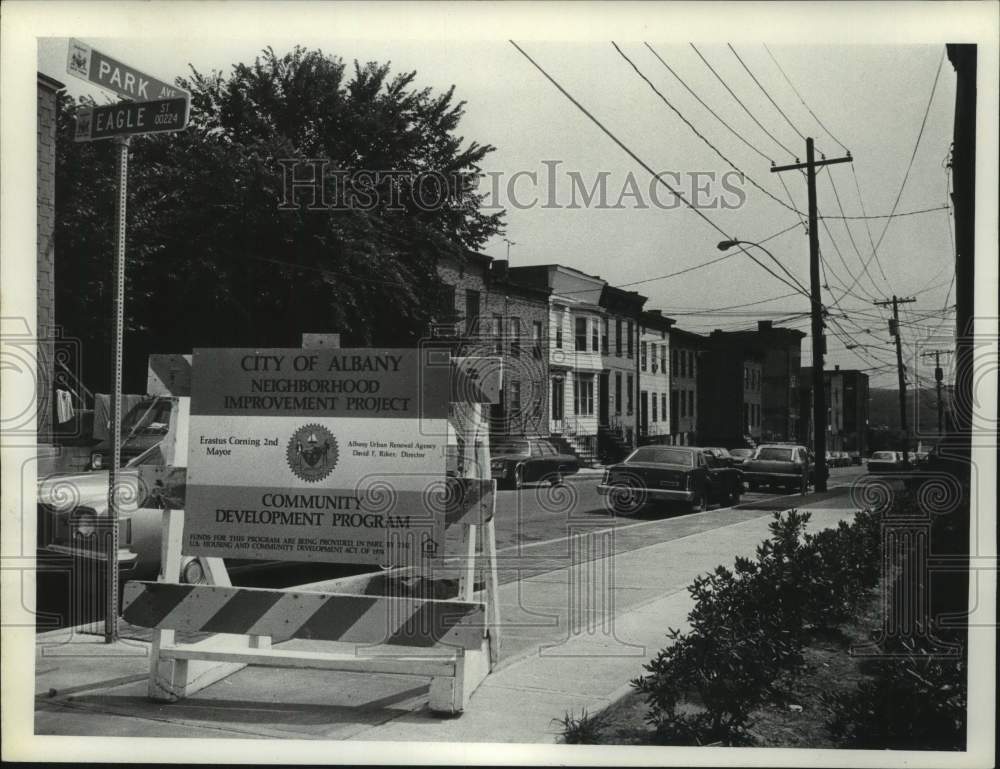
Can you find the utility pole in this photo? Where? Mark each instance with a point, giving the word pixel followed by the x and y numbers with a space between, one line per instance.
pixel 938 378
pixel 818 342
pixel 894 330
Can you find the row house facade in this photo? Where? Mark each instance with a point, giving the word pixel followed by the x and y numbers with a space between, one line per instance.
pixel 685 349
pixel 778 353
pixel 487 312
pixel 846 407
pixel 577 387
pixel 620 408
pixel 730 392
pixel 654 368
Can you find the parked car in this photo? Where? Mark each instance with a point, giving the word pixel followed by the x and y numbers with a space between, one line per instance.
pixel 73 514
pixel 721 454
pixel 886 462
pixel 740 456
pixel 145 425
pixel 524 460
pixel 777 465
pixel 685 474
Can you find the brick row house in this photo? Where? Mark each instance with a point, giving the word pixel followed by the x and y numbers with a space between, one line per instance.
pixel 654 368
pixel 685 347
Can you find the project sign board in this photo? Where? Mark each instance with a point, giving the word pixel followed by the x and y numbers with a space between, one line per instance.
pixel 334 455
pixel 130 117
pixel 100 69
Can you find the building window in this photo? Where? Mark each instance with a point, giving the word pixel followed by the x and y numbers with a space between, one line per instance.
pixel 618 337
pixel 663 406
pixel 691 364
pixel 536 338
pixel 642 355
pixel 604 337
pixel 674 411
pixel 594 342
pixel 691 403
pixel 684 411
pixel 673 361
pixel 654 406
pixel 629 395
pixel 682 371
pixel 663 359
pixel 515 336
pixel 618 392
pixel 583 395
pixel 471 312
pixel 629 341
pixel 746 378
pixel 746 416
pixel 557 399
pixel 498 333
pixel 515 399
pixel 581 334
pixel 559 337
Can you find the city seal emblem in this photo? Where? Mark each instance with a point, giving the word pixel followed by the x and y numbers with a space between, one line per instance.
pixel 312 453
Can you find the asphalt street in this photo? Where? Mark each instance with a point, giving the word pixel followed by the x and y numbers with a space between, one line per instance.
pixel 537 530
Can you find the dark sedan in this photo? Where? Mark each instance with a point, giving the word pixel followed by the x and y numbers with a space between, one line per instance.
pixel 780 466
pixel 685 474
pixel 516 462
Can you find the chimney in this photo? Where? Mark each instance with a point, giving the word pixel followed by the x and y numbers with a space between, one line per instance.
pixel 499 268
pixel 836 367
pixel 763 325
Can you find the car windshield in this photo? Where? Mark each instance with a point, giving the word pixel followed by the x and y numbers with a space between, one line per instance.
pixel 888 455
pixel 663 456
pixel 774 454
pixel 515 447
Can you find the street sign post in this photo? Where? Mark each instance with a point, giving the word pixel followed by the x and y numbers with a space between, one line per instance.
pixel 163 108
pixel 100 69
pixel 131 117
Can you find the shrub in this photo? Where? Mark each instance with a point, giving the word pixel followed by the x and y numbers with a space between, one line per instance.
pixel 749 625
pixel 585 730
pixel 915 702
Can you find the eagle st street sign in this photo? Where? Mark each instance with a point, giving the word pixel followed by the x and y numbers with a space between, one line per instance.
pixel 131 117
pixel 100 69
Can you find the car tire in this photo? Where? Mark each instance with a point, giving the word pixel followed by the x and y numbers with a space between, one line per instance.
pixel 804 486
pixel 556 479
pixel 698 503
pixel 735 493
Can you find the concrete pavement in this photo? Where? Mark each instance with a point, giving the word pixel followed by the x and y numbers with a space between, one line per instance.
pixel 563 649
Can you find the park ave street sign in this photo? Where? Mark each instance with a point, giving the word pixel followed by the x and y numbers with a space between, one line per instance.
pixel 100 69
pixel 131 117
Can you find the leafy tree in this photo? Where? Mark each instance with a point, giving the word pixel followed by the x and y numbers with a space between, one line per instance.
pixel 214 259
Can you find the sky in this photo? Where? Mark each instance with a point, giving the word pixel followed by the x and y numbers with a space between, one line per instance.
pixel 872 98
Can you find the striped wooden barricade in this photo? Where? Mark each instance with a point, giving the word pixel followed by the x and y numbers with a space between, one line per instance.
pixel 453 642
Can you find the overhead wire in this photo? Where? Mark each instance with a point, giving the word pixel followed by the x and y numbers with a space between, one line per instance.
pixel 764 91
pixel 738 101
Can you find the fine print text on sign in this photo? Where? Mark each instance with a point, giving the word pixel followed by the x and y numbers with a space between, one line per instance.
pixel 100 69
pixel 128 117
pixel 317 455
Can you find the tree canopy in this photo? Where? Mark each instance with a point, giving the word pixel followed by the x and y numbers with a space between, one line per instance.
pixel 214 258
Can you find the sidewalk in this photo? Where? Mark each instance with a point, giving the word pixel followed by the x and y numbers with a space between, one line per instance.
pixel 557 655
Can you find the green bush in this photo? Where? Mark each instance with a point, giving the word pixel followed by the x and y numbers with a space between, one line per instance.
pixel 585 730
pixel 749 625
pixel 916 702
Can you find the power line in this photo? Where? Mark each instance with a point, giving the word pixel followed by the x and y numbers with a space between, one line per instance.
pixel 737 98
pixel 814 116
pixel 913 155
pixel 886 216
pixel 697 133
pixel 710 262
pixel 764 91
pixel 619 142
pixel 732 130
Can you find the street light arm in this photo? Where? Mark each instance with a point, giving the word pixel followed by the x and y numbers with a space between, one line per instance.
pixel 725 245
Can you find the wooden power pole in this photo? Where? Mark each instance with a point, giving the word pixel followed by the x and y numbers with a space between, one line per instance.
pixel 938 378
pixel 901 371
pixel 818 343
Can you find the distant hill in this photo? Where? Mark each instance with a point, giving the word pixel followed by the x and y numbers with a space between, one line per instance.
pixel 883 409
